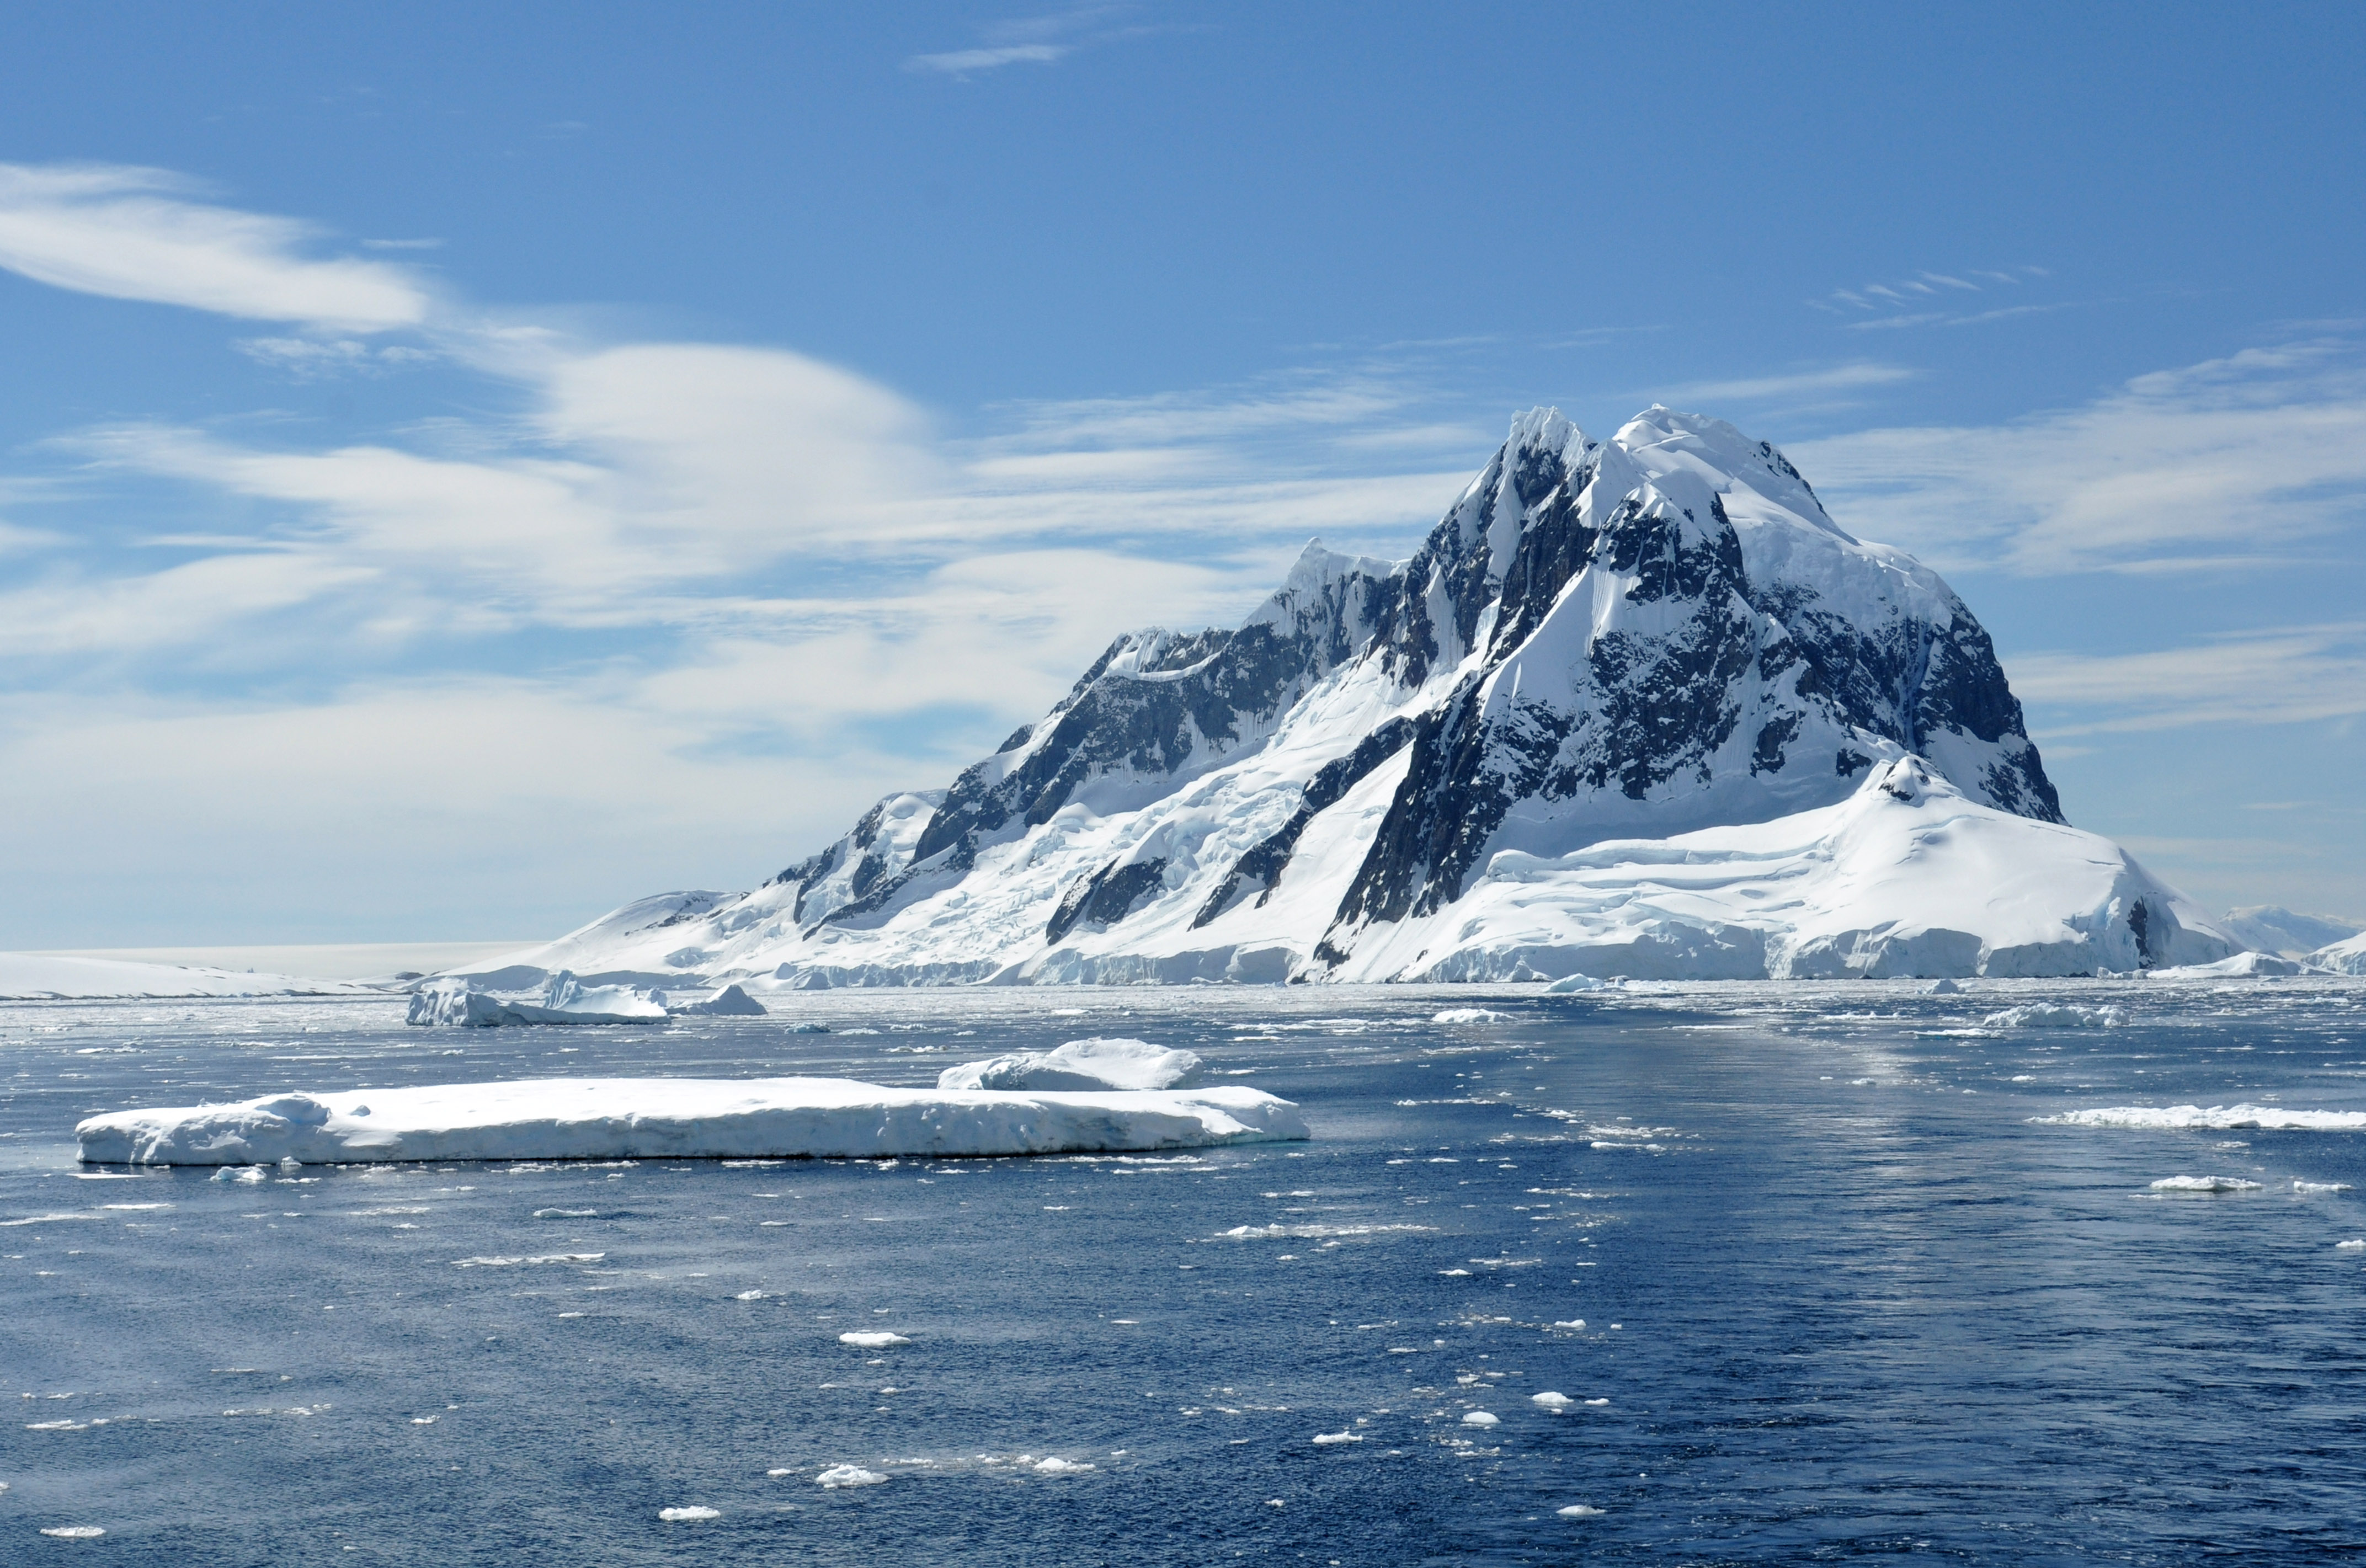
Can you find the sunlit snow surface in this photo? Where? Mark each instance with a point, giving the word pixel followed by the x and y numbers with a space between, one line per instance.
pixel 1818 1270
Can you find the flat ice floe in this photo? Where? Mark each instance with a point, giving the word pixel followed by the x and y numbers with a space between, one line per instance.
pixel 1081 1065
pixel 2216 1118
pixel 683 1118
pixel 2053 1015
pixel 2204 1184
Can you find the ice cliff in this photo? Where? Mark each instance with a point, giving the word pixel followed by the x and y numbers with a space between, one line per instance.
pixel 1635 707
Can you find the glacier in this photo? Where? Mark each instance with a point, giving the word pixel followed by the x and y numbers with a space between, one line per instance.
pixel 1635 707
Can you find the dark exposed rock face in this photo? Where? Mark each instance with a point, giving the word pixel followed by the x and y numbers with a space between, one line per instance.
pixel 1599 641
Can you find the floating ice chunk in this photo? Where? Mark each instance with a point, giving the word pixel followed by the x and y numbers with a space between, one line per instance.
pixel 290 1163
pixel 1470 1015
pixel 841 1475
pixel 1058 1466
pixel 730 1002
pixel 1942 987
pixel 563 1213
pixel 2204 1184
pixel 2299 1186
pixel 777 1474
pixel 1568 983
pixel 676 1516
pixel 688 1118
pixel 514 1262
pixel 1578 1511
pixel 1329 1439
pixel 1480 1419
pixel 2213 1118
pixel 2359 1245
pixel 1082 1064
pixel 748 1296
pixel 563 1000
pixel 1600 1400
pixel 1571 1322
pixel 2054 1015
pixel 1551 1400
pixel 878 1340
pixel 73 1532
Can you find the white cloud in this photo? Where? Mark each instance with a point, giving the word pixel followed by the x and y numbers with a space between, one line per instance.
pixel 132 233
pixel 2287 675
pixel 1837 379
pixel 961 62
pixel 2247 459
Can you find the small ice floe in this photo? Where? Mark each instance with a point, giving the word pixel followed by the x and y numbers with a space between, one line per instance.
pixel 560 1213
pixel 1331 1439
pixel 1578 1511
pixel 748 1296
pixel 73 1532
pixel 2359 1245
pixel 838 1476
pixel 728 1002
pixel 1055 1465
pixel 239 1173
pixel 872 1339
pixel 2299 1186
pixel 528 1262
pixel 1568 983
pixel 1481 1418
pixel 1470 1015
pixel 1571 1322
pixel 2204 1184
pixel 1942 987
pixel 2057 1015
pixel 678 1516
pixel 1082 1064
pixel 2213 1118
pixel 1592 1402
pixel 1551 1400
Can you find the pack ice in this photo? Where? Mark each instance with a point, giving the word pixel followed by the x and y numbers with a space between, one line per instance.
pixel 1636 705
pixel 681 1117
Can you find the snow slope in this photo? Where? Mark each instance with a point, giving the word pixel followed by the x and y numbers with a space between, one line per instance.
pixel 39 976
pixel 683 1118
pixel 2343 957
pixel 1636 705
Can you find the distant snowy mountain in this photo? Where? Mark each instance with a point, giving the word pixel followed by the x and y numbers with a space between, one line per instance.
pixel 1635 706
pixel 47 976
pixel 2264 928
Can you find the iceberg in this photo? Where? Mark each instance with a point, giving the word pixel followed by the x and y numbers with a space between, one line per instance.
pixel 1081 1065
pixel 681 1117
pixel 563 1000
pixel 731 1001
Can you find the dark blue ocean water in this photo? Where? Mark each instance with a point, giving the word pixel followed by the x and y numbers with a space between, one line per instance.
pixel 1842 1297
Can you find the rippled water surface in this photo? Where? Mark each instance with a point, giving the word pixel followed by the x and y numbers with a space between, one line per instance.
pixel 1814 1280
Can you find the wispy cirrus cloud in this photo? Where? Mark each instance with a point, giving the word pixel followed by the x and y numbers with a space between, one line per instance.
pixel 135 233
pixel 2274 675
pixel 1963 298
pixel 2254 459
pixel 1820 385
pixel 1028 40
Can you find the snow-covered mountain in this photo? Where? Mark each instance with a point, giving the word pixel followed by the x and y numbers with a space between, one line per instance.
pixel 1635 706
pixel 2266 928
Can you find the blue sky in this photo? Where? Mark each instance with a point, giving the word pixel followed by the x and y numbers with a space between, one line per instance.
pixel 463 466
